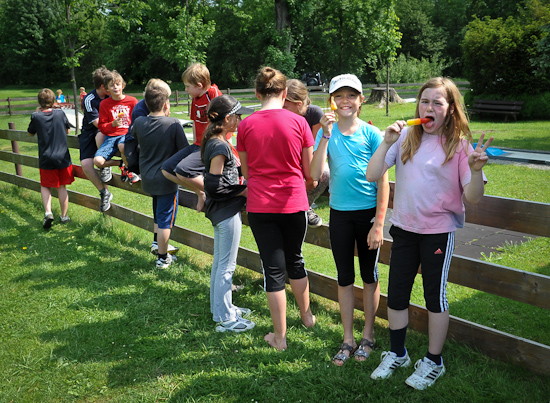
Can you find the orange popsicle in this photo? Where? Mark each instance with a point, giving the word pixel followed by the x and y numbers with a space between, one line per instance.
pixel 121 115
pixel 418 121
pixel 333 104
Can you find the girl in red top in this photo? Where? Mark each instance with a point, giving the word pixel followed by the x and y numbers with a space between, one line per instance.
pixel 276 147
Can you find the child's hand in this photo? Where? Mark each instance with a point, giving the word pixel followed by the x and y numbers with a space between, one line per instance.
pixel 326 122
pixel 478 158
pixel 311 184
pixel 375 238
pixel 394 131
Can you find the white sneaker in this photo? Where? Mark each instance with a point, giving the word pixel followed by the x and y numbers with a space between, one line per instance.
pixel 425 374
pixel 390 362
pixel 242 311
pixel 171 249
pixel 164 263
pixel 237 326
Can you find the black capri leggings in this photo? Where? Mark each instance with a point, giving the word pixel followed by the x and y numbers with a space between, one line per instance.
pixel 347 229
pixel 279 238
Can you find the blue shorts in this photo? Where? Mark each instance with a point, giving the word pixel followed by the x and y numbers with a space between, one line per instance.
pixel 165 210
pixel 109 147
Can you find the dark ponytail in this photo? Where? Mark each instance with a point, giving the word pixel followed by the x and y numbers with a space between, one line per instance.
pixel 217 111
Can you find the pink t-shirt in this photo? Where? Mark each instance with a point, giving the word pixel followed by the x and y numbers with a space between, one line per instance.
pixel 273 140
pixel 428 195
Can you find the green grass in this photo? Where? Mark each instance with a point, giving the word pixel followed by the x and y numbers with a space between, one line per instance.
pixel 84 316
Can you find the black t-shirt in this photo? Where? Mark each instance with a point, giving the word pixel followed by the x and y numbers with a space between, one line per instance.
pixel 221 191
pixel 313 115
pixel 51 128
pixel 90 106
pixel 159 137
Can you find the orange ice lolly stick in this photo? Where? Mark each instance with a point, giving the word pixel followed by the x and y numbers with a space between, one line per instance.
pixel 417 121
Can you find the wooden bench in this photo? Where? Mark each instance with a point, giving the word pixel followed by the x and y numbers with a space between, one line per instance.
pixel 506 108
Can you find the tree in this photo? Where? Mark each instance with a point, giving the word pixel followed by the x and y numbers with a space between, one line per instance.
pixel 499 54
pixel 28 50
pixel 75 22
pixel 158 38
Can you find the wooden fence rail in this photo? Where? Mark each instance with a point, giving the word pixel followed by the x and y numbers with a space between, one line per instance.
pixel 530 288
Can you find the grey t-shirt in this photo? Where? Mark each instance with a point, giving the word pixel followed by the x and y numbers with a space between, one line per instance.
pixel 159 137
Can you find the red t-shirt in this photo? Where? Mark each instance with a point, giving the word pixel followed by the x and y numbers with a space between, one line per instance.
pixel 274 140
pixel 109 110
pixel 199 105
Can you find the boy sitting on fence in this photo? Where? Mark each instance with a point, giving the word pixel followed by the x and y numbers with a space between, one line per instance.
pixel 115 116
pixel 186 168
pixel 159 137
pixel 87 137
pixel 54 160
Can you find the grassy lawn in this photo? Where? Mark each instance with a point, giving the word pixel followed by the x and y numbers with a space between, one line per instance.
pixel 84 316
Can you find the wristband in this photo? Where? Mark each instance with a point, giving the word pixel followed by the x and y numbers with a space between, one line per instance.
pixel 326 137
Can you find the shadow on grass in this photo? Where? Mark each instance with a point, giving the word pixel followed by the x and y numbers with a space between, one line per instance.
pixel 114 313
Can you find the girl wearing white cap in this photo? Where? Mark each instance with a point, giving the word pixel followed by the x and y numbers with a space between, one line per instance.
pixel 357 207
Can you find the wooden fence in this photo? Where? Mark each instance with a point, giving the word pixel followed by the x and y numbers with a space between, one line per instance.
pixel 27 105
pixel 504 213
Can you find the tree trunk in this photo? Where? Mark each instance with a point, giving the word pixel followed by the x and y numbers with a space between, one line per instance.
pixel 283 21
pixel 379 95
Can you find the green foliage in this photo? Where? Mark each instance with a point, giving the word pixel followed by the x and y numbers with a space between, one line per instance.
pixel 421 39
pixel 407 69
pixel 28 50
pixel 503 56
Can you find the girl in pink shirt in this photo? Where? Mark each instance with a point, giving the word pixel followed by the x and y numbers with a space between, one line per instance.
pixel 435 168
pixel 275 147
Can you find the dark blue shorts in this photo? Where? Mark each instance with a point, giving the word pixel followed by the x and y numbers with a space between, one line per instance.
pixel 165 210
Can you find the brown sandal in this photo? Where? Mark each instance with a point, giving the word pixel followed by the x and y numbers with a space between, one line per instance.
pixel 341 355
pixel 360 352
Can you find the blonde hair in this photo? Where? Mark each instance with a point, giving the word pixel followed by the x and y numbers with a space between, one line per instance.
pixel 297 92
pixel 157 92
pixel 197 73
pixel 455 128
pixel 270 82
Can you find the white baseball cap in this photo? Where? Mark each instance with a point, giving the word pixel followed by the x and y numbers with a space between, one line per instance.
pixel 345 80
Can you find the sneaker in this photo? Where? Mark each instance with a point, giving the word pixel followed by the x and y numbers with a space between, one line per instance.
pixel 123 173
pixel 164 263
pixel 171 249
pixel 105 203
pixel 132 177
pixel 313 220
pixel 237 326
pixel 48 220
pixel 425 374
pixel 105 174
pixel 64 220
pixel 390 362
pixel 242 311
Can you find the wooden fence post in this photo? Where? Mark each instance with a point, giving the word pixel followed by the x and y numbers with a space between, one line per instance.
pixel 15 150
pixel 9 106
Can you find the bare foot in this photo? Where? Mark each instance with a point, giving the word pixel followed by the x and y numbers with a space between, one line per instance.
pixel 273 341
pixel 308 319
pixel 201 199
